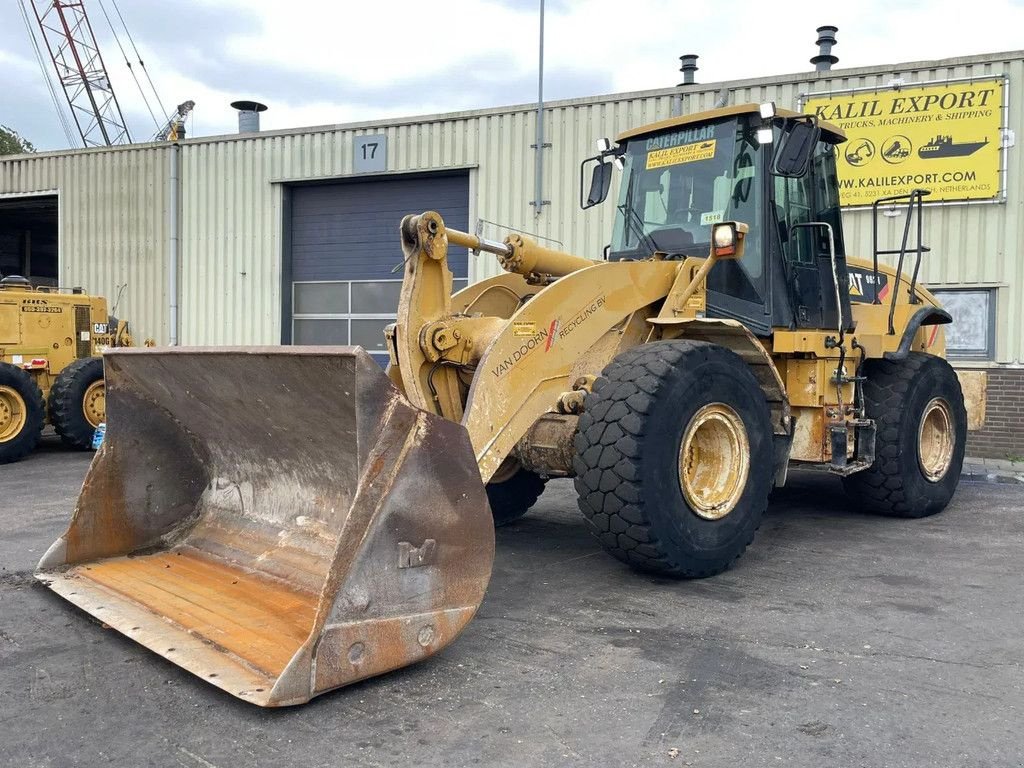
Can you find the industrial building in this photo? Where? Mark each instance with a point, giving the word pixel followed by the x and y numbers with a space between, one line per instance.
pixel 291 236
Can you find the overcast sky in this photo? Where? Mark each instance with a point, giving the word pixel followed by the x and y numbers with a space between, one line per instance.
pixel 332 61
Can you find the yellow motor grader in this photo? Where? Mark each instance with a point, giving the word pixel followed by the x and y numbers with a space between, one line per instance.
pixel 51 369
pixel 285 521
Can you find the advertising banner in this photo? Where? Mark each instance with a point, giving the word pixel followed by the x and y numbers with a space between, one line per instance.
pixel 944 137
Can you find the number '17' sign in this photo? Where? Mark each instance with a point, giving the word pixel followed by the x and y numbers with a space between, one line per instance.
pixel 370 154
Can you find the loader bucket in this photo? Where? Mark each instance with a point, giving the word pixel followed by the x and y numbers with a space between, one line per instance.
pixel 279 521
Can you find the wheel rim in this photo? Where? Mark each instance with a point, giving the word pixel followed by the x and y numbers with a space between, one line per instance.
pixel 94 404
pixel 13 414
pixel 936 440
pixel 714 461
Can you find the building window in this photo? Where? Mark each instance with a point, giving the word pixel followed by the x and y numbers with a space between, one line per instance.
pixel 971 335
pixel 347 312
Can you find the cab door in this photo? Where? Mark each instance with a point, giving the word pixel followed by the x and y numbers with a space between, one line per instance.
pixel 806 259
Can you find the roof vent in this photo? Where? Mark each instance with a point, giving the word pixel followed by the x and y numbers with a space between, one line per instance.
pixel 688 67
pixel 826 39
pixel 249 115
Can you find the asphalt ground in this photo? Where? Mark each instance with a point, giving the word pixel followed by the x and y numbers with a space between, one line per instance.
pixel 839 639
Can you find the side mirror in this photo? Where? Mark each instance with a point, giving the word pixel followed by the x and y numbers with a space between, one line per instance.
pixel 793 156
pixel 600 182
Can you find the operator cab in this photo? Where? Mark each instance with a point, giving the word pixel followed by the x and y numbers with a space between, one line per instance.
pixel 772 170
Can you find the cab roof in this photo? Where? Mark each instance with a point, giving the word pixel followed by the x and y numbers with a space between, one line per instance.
pixel 834 133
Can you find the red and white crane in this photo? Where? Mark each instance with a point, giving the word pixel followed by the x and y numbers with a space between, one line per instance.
pixel 81 72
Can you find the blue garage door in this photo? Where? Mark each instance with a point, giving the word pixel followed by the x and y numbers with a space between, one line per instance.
pixel 344 248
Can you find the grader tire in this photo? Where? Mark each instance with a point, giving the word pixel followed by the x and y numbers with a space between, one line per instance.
pixel 513 498
pixel 921 423
pixel 75 403
pixel 22 412
pixel 674 458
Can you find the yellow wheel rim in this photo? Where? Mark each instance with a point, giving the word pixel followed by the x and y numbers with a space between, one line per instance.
pixel 714 461
pixel 936 440
pixel 94 404
pixel 13 414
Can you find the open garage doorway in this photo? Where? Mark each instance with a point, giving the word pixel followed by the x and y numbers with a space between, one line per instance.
pixel 28 238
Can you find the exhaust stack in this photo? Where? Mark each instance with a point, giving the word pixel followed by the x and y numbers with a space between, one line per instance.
pixel 826 39
pixel 688 66
pixel 249 115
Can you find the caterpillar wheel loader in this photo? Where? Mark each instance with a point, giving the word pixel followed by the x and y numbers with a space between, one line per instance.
pixel 51 369
pixel 285 521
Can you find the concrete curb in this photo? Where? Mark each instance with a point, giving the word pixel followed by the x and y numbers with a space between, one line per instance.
pixel 993 471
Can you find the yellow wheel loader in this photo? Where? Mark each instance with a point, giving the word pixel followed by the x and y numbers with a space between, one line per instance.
pixel 285 521
pixel 51 369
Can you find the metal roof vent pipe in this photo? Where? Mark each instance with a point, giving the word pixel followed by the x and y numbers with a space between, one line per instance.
pixel 249 115
pixel 826 39
pixel 688 68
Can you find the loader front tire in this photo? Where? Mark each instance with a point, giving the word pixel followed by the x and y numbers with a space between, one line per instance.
pixel 921 424
pixel 78 402
pixel 674 459
pixel 22 412
pixel 513 497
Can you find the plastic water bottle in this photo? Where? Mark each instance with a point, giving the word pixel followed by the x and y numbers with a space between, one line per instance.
pixel 98 435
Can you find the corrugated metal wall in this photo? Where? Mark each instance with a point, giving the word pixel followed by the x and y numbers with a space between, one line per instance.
pixel 232 214
pixel 113 224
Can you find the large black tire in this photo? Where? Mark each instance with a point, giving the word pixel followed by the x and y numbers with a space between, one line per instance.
pixel 897 396
pixel 627 462
pixel 67 398
pixel 19 394
pixel 512 499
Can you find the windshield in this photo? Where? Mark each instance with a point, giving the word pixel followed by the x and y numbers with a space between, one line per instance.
pixel 683 181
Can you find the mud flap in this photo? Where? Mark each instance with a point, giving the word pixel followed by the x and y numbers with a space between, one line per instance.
pixel 279 521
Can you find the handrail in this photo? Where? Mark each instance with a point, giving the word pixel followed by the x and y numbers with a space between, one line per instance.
pixel 914 198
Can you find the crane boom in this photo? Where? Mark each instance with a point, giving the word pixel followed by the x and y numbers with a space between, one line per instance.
pixel 81 72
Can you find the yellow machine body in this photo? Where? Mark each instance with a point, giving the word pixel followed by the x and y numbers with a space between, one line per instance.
pixel 51 370
pixel 284 521
pixel 44 330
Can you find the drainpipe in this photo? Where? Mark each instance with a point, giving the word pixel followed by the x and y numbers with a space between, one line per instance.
pixel 538 168
pixel 173 242
pixel 688 66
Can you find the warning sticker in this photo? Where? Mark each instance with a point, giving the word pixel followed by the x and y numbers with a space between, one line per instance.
pixel 684 153
pixel 523 328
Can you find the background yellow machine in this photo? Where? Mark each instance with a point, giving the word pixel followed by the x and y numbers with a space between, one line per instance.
pixel 50 364
pixel 284 521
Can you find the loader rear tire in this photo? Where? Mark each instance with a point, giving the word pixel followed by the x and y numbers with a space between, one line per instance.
pixel 513 498
pixel 77 402
pixel 921 424
pixel 22 412
pixel 645 495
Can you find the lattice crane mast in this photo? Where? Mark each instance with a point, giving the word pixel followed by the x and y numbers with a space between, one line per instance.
pixel 81 72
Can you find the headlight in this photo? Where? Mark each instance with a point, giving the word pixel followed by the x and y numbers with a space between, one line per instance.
pixel 727 239
pixel 724 235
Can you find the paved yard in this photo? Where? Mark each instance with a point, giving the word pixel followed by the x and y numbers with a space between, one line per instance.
pixel 839 640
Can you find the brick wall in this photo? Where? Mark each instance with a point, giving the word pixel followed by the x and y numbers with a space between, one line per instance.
pixel 1003 435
